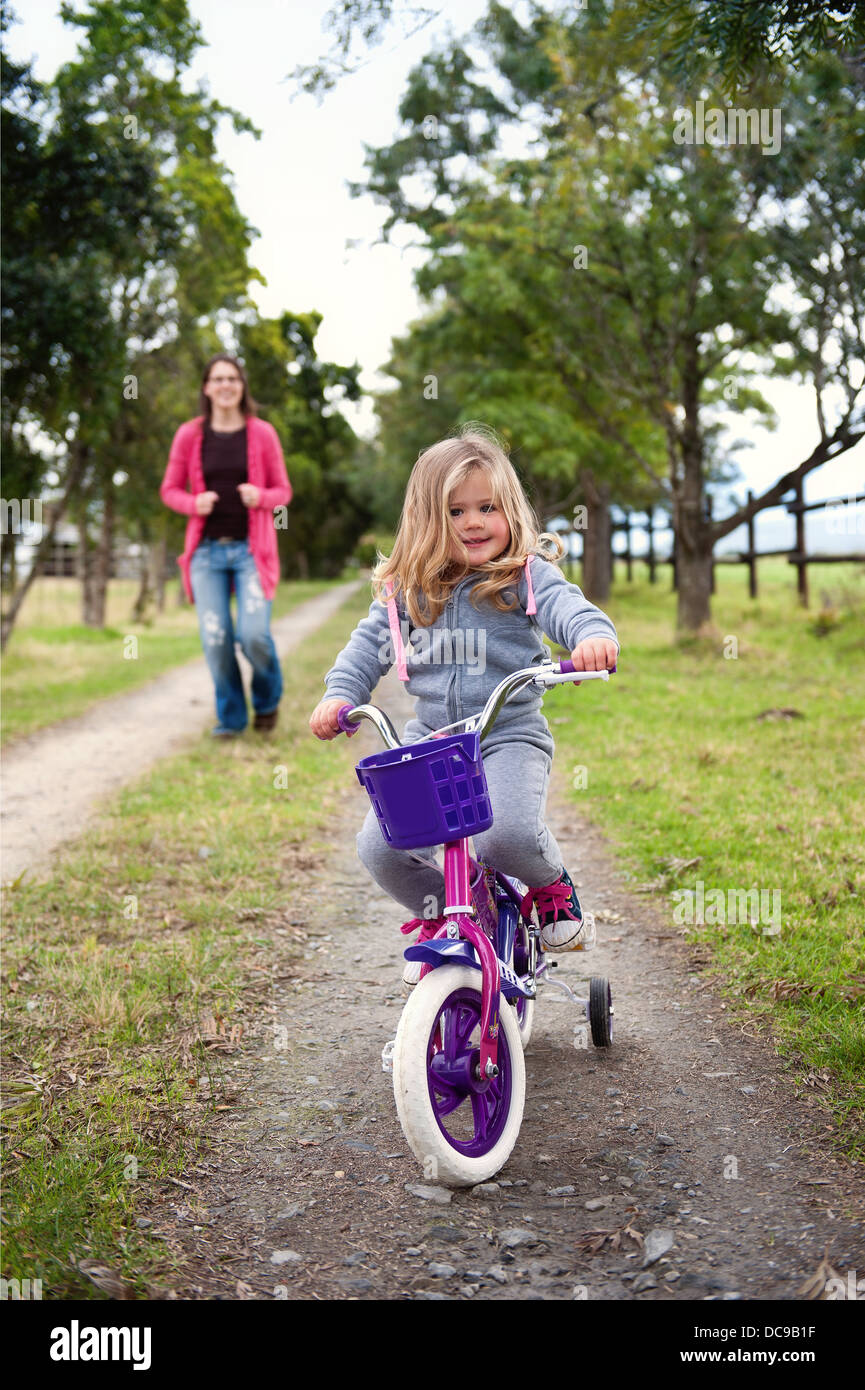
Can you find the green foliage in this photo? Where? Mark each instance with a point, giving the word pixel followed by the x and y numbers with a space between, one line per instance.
pixel 741 41
pixel 327 465
pixel 681 768
pixel 56 669
pixel 111 1018
pixel 355 25
pixel 124 246
pixel 601 296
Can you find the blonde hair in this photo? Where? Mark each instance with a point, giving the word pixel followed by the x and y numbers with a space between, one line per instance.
pixel 419 565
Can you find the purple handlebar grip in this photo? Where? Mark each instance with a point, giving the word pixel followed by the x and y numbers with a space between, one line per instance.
pixel 566 667
pixel 343 724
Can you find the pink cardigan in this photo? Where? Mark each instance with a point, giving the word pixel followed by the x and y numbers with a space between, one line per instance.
pixel 265 468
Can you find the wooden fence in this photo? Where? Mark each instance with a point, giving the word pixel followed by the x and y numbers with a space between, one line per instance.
pixel 797 556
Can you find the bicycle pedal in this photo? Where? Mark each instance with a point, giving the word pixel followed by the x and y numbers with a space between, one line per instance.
pixel 387 1055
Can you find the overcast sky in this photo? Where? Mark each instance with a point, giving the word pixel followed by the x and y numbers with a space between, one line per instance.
pixel 292 186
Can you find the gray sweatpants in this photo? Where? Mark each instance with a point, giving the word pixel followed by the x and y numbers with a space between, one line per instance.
pixel 518 843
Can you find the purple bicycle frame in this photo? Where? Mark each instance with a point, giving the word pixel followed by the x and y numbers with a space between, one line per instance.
pixel 458 905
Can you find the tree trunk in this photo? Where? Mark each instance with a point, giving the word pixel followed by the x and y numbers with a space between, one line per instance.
pixel 694 540
pixel 302 564
pixel 145 590
pixel 694 545
pixel 8 564
pixel 158 554
pixel 597 539
pixel 694 574
pixel 105 552
pixel 80 454
pixel 96 561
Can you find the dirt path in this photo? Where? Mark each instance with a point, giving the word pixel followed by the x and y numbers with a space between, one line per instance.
pixel 303 1194
pixel 53 780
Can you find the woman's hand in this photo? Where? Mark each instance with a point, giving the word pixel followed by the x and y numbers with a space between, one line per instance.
pixel 249 494
pixel 205 502
pixel 595 654
pixel 323 718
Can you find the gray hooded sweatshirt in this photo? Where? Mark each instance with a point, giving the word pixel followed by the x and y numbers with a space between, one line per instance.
pixel 454 665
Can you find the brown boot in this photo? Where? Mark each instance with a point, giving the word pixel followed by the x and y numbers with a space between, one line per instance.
pixel 264 722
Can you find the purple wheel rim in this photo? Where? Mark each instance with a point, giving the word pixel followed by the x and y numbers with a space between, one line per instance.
pixel 476 1111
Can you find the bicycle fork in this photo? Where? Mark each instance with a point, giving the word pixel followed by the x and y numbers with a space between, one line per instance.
pixel 462 920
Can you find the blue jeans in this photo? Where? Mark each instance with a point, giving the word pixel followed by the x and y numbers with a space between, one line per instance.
pixel 210 572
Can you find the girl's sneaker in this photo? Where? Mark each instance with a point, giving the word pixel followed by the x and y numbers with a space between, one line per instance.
pixel 428 928
pixel 560 916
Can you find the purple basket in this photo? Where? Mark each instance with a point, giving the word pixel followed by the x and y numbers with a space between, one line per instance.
pixel 429 792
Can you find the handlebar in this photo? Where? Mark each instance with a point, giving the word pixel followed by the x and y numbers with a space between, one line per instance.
pixel 541 677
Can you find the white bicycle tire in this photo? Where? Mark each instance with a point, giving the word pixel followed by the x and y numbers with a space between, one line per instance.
pixel 442 1163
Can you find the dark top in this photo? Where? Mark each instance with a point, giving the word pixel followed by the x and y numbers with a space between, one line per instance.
pixel 223 460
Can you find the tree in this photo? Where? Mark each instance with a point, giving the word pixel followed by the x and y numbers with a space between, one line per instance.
pixel 422 408
pixel 680 251
pixel 740 39
pixel 744 41
pixel 327 465
pixel 126 83
pixel 813 194
pixel 479 356
pixel 73 207
pixel 135 216
pixel 357 25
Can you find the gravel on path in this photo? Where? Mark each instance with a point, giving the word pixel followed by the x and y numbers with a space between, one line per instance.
pixel 54 780
pixel 679 1165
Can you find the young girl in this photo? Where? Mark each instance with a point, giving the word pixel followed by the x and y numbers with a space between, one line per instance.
pixel 463 600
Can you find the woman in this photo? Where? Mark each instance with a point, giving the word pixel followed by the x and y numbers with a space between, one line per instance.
pixel 234 469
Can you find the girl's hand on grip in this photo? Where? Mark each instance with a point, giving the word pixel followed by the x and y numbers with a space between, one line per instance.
pixel 595 654
pixel 323 720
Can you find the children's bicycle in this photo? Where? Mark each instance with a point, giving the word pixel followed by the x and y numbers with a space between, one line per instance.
pixel 459 1077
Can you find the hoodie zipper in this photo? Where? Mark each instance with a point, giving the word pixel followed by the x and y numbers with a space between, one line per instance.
pixel 452 703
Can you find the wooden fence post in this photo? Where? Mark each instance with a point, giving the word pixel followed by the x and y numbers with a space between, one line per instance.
pixel 752 552
pixel 710 502
pixel 801 567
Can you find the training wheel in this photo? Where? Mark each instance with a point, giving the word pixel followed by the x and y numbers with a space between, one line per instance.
pixel 601 1011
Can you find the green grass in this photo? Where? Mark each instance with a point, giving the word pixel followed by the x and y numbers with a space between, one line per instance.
pixel 680 768
pixel 125 972
pixel 55 667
